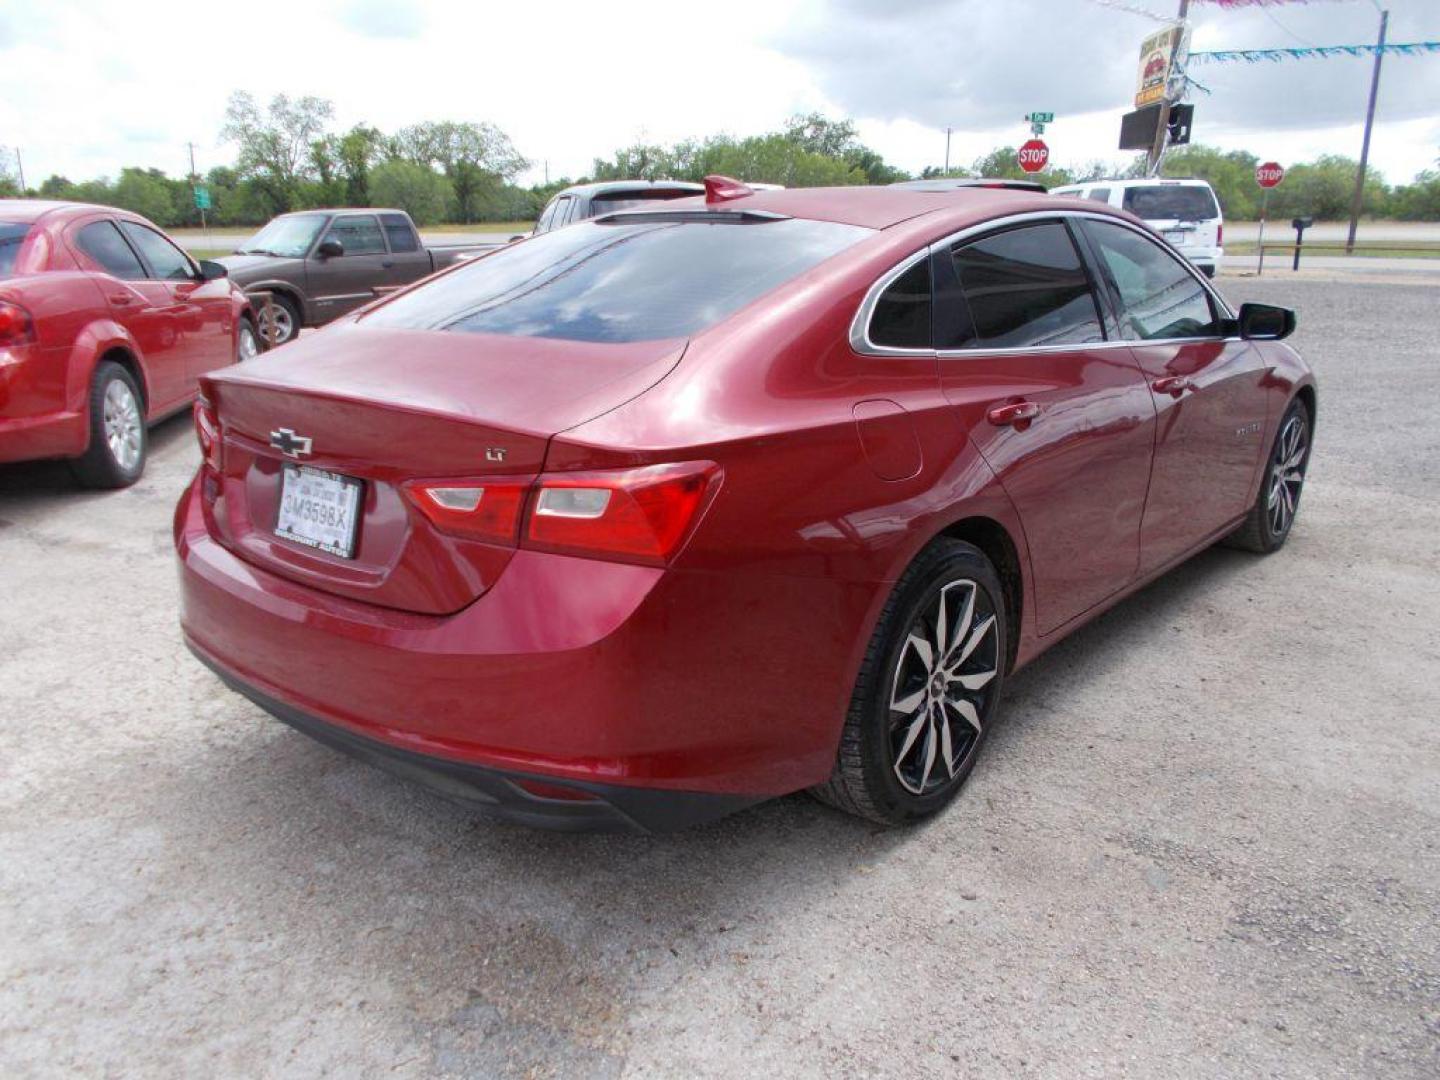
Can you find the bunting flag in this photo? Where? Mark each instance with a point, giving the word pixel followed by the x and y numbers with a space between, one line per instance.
pixel 1255 56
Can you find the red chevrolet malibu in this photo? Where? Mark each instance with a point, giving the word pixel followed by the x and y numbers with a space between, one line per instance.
pixel 105 326
pixel 675 510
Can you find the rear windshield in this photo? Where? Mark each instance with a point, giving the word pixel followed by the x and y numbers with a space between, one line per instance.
pixel 608 204
pixel 12 235
pixel 1171 203
pixel 630 280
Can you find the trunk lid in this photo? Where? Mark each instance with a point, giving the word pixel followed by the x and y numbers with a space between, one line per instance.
pixel 389 406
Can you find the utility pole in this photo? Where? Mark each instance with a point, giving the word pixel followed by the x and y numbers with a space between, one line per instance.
pixel 1365 142
pixel 947 151
pixel 1162 130
pixel 20 167
pixel 194 180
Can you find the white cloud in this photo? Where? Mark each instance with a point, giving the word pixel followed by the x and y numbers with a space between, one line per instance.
pixel 87 86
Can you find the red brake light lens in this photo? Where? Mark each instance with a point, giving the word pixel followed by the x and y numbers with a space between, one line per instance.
pixel 207 433
pixel 16 325
pixel 487 510
pixel 636 515
pixel 1220 234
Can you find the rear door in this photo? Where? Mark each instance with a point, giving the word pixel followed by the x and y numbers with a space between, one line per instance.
pixel 202 308
pixel 341 283
pixel 1207 389
pixel 147 308
pixel 1061 414
pixel 409 261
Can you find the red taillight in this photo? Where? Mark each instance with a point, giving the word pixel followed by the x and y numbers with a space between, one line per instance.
pixel 207 433
pixel 1219 235
pixel 16 325
pixel 486 510
pixel 637 515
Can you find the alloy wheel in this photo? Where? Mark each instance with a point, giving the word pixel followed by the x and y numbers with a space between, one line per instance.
pixel 122 424
pixel 247 346
pixel 941 686
pixel 1287 474
pixel 279 326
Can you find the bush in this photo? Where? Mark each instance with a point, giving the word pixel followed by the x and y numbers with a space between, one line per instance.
pixel 423 193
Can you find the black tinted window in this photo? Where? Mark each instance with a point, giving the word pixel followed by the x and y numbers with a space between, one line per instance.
pixel 627 281
pixel 1026 287
pixel 1099 194
pixel 1159 297
pixel 901 318
pixel 12 235
pixel 399 232
pixel 360 235
pixel 1166 203
pixel 103 243
pixel 166 261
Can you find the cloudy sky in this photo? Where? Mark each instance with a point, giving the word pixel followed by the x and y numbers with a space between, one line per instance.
pixel 87 86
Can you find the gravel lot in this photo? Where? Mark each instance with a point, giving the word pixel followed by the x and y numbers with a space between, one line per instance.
pixel 1203 843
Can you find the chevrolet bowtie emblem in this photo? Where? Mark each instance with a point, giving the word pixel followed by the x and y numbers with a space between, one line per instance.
pixel 290 444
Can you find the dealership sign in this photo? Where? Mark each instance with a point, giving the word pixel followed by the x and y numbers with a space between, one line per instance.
pixel 1269 175
pixel 1033 155
pixel 1161 54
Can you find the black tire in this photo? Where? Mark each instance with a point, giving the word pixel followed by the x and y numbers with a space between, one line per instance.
pixel 874 776
pixel 287 315
pixel 1208 271
pixel 104 466
pixel 257 343
pixel 1263 530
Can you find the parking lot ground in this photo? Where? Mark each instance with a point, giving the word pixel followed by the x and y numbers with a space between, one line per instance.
pixel 1205 840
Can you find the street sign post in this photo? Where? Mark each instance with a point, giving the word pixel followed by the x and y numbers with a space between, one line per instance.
pixel 202 197
pixel 1033 156
pixel 1267 176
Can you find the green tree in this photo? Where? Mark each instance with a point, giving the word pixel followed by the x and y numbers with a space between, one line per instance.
pixel 275 145
pixel 1230 173
pixel 146 192
pixel 360 149
pixel 476 158
pixel 421 192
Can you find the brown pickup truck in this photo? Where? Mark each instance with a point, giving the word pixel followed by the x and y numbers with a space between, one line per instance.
pixel 319 264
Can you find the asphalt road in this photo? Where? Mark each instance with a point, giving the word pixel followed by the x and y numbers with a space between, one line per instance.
pixel 1204 842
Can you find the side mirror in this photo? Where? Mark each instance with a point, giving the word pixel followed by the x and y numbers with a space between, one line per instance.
pixel 212 271
pixel 1265 322
pixel 519 236
pixel 329 249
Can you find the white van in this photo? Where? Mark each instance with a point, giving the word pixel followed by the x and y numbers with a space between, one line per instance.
pixel 1185 212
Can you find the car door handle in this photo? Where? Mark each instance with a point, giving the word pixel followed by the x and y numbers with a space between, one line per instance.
pixel 1174 385
pixel 122 298
pixel 1016 412
pixel 387 263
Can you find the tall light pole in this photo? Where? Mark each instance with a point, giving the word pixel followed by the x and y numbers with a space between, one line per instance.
pixel 1162 130
pixel 947 151
pixel 20 167
pixel 1356 202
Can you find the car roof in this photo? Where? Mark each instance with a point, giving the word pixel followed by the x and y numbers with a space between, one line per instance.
pixel 344 210
pixel 882 207
pixel 1144 181
pixel 32 210
pixel 611 187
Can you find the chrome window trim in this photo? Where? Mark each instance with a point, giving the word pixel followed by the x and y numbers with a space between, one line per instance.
pixel 860 324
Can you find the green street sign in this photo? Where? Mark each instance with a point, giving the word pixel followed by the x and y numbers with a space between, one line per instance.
pixel 202 197
pixel 1041 117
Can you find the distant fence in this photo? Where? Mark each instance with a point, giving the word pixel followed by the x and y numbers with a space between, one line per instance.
pixel 1377 248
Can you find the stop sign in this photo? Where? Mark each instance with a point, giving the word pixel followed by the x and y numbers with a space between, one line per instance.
pixel 1269 174
pixel 1033 155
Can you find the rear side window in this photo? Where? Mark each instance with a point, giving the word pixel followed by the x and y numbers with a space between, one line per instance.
pixel 1099 194
pixel 12 235
pixel 629 200
pixel 547 217
pixel 1026 287
pixel 360 234
pixel 103 243
pixel 1159 298
pixel 398 231
pixel 166 261
pixel 619 281
pixel 901 319
pixel 1178 203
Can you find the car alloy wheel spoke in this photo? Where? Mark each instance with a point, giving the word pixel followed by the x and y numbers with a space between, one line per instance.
pixel 1287 475
pixel 121 417
pixel 938 692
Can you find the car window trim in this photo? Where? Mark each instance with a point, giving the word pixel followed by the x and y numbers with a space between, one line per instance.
pixel 860 323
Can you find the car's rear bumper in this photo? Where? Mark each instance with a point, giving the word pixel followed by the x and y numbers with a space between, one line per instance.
pixel 578 670
pixel 52 435
pixel 571 805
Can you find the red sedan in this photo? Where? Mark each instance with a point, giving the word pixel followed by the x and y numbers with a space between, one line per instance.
pixel 105 326
pixel 643 520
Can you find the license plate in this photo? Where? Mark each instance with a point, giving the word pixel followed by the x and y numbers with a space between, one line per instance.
pixel 319 509
pixel 1177 237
